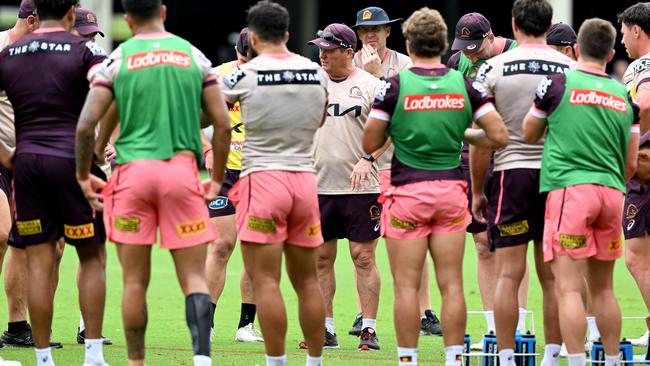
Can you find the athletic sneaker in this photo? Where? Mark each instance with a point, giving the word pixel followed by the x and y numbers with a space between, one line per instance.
pixel 248 334
pixel 430 325
pixel 23 339
pixel 564 352
pixel 331 342
pixel 81 338
pixel 356 326
pixel 641 341
pixel 477 346
pixel 369 340
pixel 4 362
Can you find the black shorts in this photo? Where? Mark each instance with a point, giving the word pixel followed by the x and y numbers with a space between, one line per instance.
pixel 350 216
pixel 221 206
pixel 6 185
pixel 636 214
pixel 516 208
pixel 50 204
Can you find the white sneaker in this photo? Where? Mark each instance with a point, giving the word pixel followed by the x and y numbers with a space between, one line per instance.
pixel 86 364
pixel 563 351
pixel 477 346
pixel 642 341
pixel 248 334
pixel 211 335
pixel 9 363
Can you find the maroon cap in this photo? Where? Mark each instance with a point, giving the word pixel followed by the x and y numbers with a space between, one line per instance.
pixel 471 30
pixel 26 9
pixel 242 42
pixel 86 22
pixel 336 35
pixel 561 34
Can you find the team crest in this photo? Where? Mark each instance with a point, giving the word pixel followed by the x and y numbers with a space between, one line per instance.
pixel 631 211
pixel 367 14
pixel 375 212
pixel 464 33
pixel 355 92
pixel 91 18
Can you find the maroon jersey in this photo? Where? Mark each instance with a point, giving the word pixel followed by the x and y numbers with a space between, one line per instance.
pixel 45 75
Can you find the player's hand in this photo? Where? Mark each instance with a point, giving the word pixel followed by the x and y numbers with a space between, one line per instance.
pixel 361 171
pixel 109 152
pixel 371 61
pixel 479 208
pixel 91 188
pixel 211 189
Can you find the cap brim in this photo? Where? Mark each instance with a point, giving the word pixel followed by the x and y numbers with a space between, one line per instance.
pixel 376 22
pixel 321 43
pixel 469 45
pixel 85 30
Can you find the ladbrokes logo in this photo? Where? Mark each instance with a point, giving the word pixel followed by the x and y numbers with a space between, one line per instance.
pixel 434 102
pixel 157 58
pixel 597 98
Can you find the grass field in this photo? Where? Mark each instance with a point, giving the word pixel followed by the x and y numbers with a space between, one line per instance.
pixel 168 340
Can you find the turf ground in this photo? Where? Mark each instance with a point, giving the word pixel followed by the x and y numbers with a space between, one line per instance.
pixel 168 340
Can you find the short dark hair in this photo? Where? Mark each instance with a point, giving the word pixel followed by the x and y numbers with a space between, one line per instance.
pixel 269 20
pixel 142 9
pixel 426 32
pixel 637 14
pixel 532 16
pixel 53 9
pixel 596 38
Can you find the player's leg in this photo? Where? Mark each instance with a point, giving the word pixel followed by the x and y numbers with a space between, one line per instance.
pixel 608 312
pixel 15 286
pixel 522 298
pixel 301 268
pixel 81 330
pixel 246 329
pixel 5 225
pixel 326 256
pixel 136 273
pixel 570 305
pixel 637 257
pixel 551 318
pixel 219 253
pixel 92 298
pixel 429 322
pixel 368 287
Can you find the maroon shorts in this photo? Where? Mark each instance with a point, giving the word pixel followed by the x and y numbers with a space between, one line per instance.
pixel 50 204
pixel 636 212
pixel 355 217
pixel 474 227
pixel 222 206
pixel 516 208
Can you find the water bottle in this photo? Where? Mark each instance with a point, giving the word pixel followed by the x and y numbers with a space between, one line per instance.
pixel 627 354
pixel 490 347
pixel 525 345
pixel 467 343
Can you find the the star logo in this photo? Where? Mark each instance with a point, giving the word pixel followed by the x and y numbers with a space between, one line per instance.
pixel 34 46
pixel 534 67
pixel 288 76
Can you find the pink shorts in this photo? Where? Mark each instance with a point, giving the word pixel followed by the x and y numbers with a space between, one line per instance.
pixel 384 180
pixel 583 221
pixel 146 194
pixel 420 209
pixel 278 207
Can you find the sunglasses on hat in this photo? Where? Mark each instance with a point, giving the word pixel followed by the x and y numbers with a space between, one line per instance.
pixel 330 37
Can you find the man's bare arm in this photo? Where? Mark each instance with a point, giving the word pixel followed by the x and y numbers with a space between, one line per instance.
pixel 98 101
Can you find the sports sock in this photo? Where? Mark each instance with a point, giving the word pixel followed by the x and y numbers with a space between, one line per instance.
pixel 551 355
pixel 314 361
pixel 197 315
pixel 453 355
pixel 276 360
pixel 507 357
pixel 521 324
pixel 329 325
pixel 594 333
pixel 17 327
pixel 407 356
pixel 82 325
pixel 213 310
pixel 44 357
pixel 200 360
pixel 577 359
pixel 369 323
pixel 489 319
pixel 247 314
pixel 94 351
pixel 612 360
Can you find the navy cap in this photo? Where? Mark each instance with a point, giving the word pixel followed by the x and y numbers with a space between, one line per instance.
pixel 561 34
pixel 26 9
pixel 373 16
pixel 471 30
pixel 242 42
pixel 335 35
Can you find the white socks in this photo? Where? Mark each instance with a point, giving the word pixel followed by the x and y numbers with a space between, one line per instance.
pixel 507 357
pixel 94 351
pixel 44 357
pixel 276 360
pixel 521 325
pixel 594 333
pixel 369 323
pixel 329 325
pixel 489 319
pixel 453 355
pixel 314 361
pixel 577 359
pixel 612 360
pixel 82 325
pixel 200 360
pixel 407 356
pixel 551 355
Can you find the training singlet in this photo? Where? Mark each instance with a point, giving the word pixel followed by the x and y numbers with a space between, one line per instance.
pixel 590 117
pixel 45 75
pixel 282 98
pixel 7 128
pixel 392 64
pixel 637 73
pixel 512 79
pixel 236 125
pixel 158 82
pixel 337 145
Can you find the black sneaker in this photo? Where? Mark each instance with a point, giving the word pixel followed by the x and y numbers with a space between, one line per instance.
pixel 23 339
pixel 81 338
pixel 331 342
pixel 430 325
pixel 369 340
pixel 356 326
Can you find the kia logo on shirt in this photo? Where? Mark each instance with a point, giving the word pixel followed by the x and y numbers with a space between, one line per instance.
pixel 434 102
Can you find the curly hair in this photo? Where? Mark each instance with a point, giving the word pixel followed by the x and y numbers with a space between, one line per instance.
pixel 426 33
